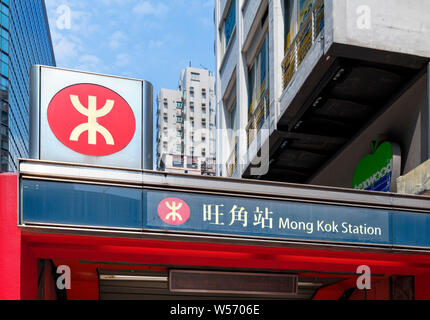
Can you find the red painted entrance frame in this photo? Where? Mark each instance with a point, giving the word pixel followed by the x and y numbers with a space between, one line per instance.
pixel 19 252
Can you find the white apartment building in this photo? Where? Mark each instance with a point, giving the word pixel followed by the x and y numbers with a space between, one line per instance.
pixel 304 86
pixel 186 125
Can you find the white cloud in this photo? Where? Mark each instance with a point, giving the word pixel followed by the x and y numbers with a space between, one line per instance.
pixel 89 59
pixel 122 60
pixel 207 22
pixel 155 44
pixel 88 62
pixel 67 47
pixel 147 8
pixel 117 39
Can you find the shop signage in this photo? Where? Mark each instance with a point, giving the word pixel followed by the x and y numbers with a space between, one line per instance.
pixel 173 212
pixel 379 170
pixel 88 118
pixel 264 218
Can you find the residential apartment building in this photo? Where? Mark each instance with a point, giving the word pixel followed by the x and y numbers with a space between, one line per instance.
pixel 25 41
pixel 186 125
pixel 304 87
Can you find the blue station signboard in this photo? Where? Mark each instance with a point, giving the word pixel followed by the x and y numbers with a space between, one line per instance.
pixel 264 218
pixel 171 212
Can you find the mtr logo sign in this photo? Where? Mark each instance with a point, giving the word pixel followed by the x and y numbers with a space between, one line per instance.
pixel 174 211
pixel 81 117
pixel 91 120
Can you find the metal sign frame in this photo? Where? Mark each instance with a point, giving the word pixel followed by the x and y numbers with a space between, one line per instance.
pixel 46 82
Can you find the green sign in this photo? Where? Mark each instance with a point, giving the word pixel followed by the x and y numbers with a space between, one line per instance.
pixel 375 171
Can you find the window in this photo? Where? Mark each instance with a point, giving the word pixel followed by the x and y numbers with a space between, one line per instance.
pixel 4 117
pixel 192 92
pixel 5 145
pixel 228 26
pixel 179 104
pixel 195 76
pixel 192 163
pixel 5 40
pixel 203 109
pixel 296 13
pixel 179 133
pixel 258 81
pixel 203 123
pixel 179 119
pixel 232 122
pixel 179 147
pixel 290 23
pixel 305 8
pixel 178 162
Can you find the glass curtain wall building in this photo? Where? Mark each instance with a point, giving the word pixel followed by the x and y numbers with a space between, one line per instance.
pixel 25 41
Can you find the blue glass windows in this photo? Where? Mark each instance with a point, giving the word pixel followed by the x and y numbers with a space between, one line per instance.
pixel 228 26
pixel 24 41
pixel 258 77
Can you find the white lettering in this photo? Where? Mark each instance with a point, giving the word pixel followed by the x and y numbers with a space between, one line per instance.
pixel 327 227
pixel 64 281
pixel 361 229
pixel 364 281
pixel 364 20
pixel 181 310
pixel 296 226
pixel 377 176
pixel 64 21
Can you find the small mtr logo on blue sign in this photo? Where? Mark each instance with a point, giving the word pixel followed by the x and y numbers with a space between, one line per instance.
pixel 174 211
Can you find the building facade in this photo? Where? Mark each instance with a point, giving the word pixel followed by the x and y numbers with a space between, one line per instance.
pixel 186 125
pixel 306 86
pixel 134 233
pixel 25 41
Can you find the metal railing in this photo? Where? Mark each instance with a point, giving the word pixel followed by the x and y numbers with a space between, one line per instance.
pixel 305 38
pixel 260 115
pixel 231 163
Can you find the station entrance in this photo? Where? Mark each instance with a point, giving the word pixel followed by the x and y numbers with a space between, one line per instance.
pixel 105 227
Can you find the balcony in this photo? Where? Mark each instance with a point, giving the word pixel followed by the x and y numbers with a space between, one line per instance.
pixel 232 162
pixel 305 39
pixel 261 113
pixel 337 76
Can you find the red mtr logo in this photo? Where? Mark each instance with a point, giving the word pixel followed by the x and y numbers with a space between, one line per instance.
pixel 174 211
pixel 91 120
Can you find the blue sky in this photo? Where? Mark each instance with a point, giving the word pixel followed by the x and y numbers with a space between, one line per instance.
pixel 146 39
